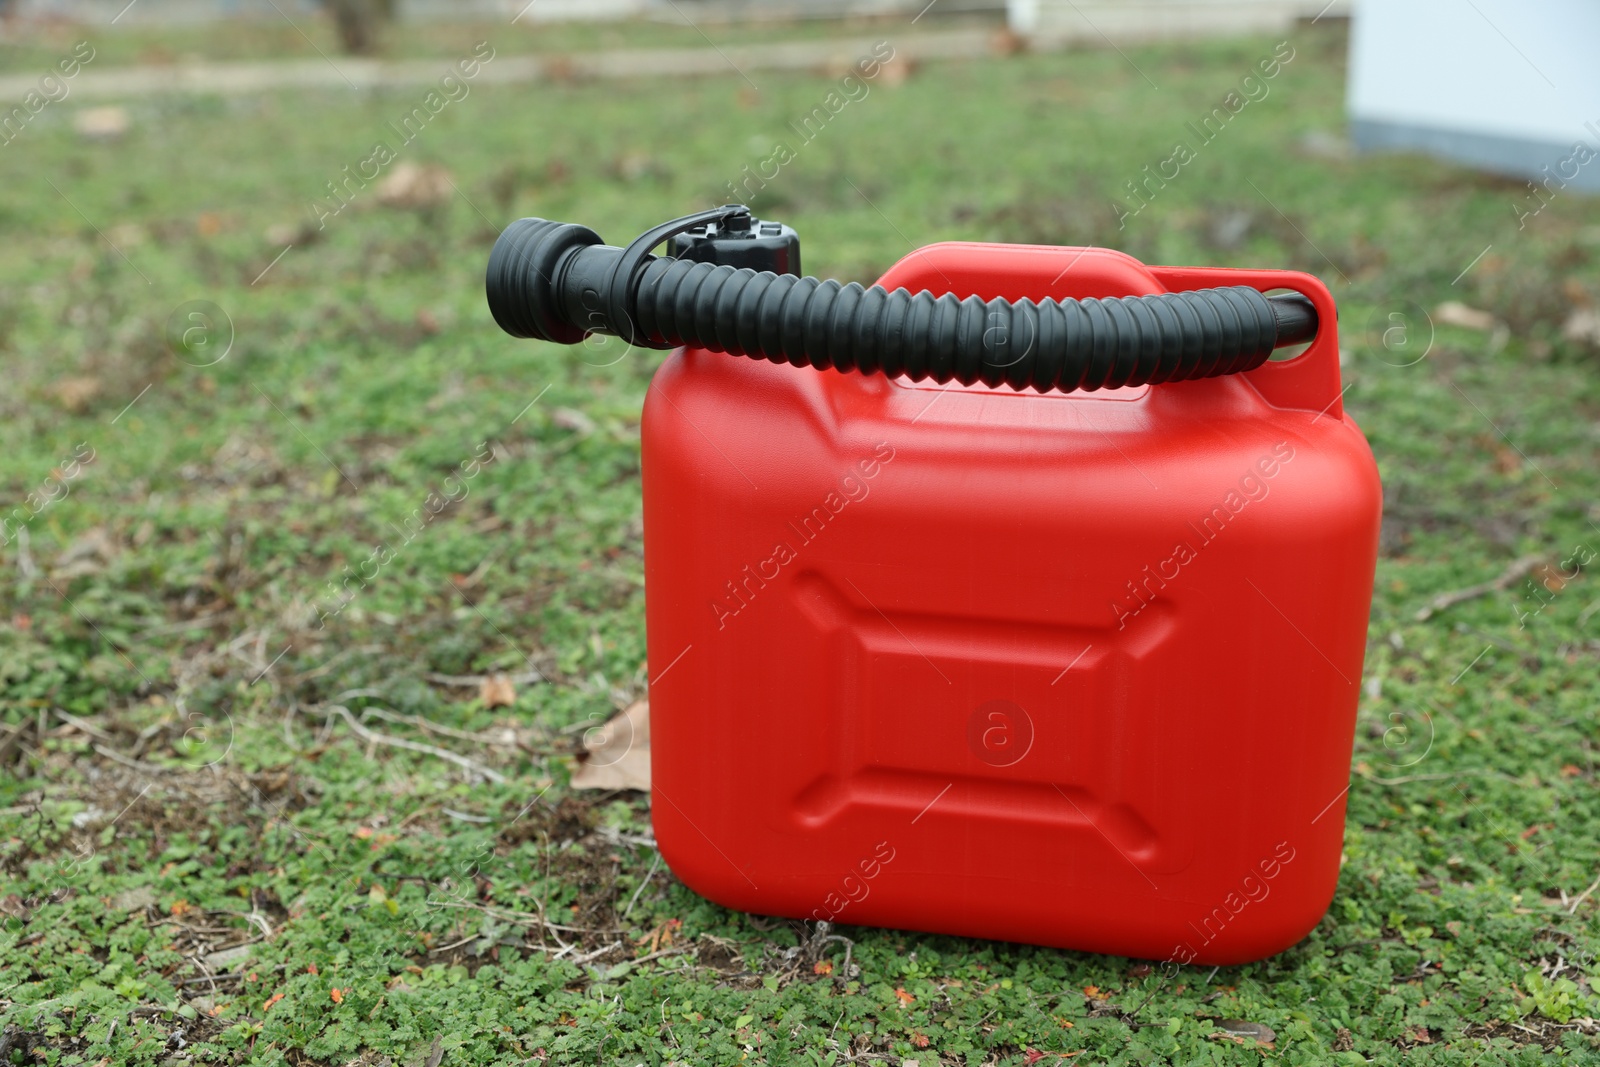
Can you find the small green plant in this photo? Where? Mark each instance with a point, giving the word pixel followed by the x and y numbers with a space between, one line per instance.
pixel 1560 999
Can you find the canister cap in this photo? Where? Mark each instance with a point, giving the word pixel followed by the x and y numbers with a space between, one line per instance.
pixel 741 241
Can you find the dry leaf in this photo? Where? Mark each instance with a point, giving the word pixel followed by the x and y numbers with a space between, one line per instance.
pixel 75 394
pixel 617 753
pixel 1583 327
pixel 101 123
pixel 409 185
pixel 572 419
pixel 289 233
pixel 127 234
pixel 1007 43
pixel 559 69
pixel 89 553
pixel 1320 144
pixel 1455 313
pixel 896 71
pixel 93 542
pixel 637 166
pixel 497 692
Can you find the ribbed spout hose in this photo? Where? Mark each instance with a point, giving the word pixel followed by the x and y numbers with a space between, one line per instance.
pixel 558 282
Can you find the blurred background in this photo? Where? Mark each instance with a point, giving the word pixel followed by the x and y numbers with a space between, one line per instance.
pixel 289 726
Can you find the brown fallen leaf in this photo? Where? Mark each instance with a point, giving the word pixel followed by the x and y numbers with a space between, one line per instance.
pixel 1455 313
pixel 559 69
pixel 88 553
pixel 617 752
pixel 101 123
pixel 497 692
pixel 1550 578
pixel 291 233
pixel 412 185
pixel 1582 327
pixel 637 166
pixel 76 394
pixel 127 234
pixel 897 71
pixel 1007 43
pixel 574 420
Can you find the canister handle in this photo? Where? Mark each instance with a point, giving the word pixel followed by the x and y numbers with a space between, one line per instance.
pixel 1309 381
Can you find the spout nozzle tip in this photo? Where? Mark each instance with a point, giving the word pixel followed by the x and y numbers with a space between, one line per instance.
pixel 1296 319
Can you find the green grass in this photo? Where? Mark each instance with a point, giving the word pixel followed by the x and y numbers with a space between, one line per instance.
pixel 168 603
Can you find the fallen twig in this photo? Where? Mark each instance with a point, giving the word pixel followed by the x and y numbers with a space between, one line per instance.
pixel 1573 909
pixel 1448 600
pixel 181 625
pixel 648 874
pixel 586 957
pixel 683 951
pixel 820 941
pixel 11 739
pixel 522 918
pixel 423 724
pixel 373 737
pixel 230 976
pixel 138 765
pixel 442 949
pixel 81 724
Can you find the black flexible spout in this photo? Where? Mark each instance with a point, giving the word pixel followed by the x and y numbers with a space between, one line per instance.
pixel 559 282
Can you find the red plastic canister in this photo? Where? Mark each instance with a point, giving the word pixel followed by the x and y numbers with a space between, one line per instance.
pixel 1076 670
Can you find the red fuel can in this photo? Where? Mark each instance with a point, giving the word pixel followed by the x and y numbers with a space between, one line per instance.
pixel 1072 669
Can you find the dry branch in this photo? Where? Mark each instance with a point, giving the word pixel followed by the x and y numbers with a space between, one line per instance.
pixel 373 737
pixel 1472 592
